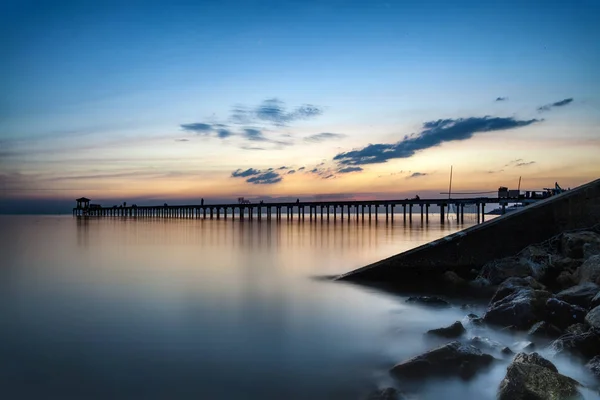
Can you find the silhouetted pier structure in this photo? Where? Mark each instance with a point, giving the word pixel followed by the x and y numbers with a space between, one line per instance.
pixel 325 210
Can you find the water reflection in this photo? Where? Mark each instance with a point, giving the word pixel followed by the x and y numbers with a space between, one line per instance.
pixel 220 309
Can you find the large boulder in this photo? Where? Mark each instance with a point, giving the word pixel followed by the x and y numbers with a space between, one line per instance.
pixel 590 270
pixel 531 377
pixel 594 366
pixel 486 344
pixel 452 331
pixel 431 301
pixel 580 295
pixel 563 314
pixel 520 309
pixel 577 329
pixel 580 244
pixel 452 359
pixel 585 345
pixel 565 279
pixel 532 261
pixel 593 319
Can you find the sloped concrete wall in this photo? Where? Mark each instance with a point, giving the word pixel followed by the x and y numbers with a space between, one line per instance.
pixel 501 237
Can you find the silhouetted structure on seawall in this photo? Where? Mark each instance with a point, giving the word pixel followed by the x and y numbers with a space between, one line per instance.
pixel 500 237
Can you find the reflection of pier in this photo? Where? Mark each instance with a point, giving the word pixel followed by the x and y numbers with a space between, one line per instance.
pixel 325 210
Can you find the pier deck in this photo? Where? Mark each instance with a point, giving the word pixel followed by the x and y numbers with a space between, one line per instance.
pixel 316 209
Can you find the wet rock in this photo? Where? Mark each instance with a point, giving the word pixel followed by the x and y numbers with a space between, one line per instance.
pixel 594 366
pixel 529 347
pixel 452 331
pixel 566 263
pixel 595 301
pixel 535 358
pixel 452 359
pixel 480 284
pixel 544 329
pixel 513 284
pixel 521 309
pixel 593 319
pixel 431 301
pixel 585 345
pixel 580 295
pixel 580 244
pixel 507 351
pixel 452 278
pixel 386 394
pixel 590 270
pixel 562 314
pixel 473 319
pixel 485 344
pixel 498 271
pixel 565 280
pixel 577 329
pixel 530 377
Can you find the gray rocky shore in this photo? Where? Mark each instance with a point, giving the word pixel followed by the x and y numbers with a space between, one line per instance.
pixel 549 291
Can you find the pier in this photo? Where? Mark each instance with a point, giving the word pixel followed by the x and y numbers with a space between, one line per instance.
pixel 323 210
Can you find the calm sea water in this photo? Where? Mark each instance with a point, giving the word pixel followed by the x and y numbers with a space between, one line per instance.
pixel 193 309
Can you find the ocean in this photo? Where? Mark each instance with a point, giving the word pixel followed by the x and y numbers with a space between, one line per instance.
pixel 124 308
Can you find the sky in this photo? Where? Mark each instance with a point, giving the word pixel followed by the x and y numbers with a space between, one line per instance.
pixel 153 101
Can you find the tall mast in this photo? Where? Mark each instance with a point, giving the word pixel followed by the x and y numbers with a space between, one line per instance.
pixel 450 188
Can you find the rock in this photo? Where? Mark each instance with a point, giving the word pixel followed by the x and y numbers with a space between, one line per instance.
pixel 544 329
pixel 473 319
pixel 535 358
pixel 595 301
pixel 499 270
pixel 530 377
pixel 480 284
pixel 594 366
pixel 590 270
pixel 580 244
pixel 452 331
pixel 386 394
pixel 593 319
pixel 485 344
pixel 580 295
pixel 565 280
pixel 507 351
pixel 586 345
pixel 565 263
pixel 562 314
pixel 521 309
pixel 452 278
pixel 511 285
pixel 452 359
pixel 538 259
pixel 530 346
pixel 428 301
pixel 577 329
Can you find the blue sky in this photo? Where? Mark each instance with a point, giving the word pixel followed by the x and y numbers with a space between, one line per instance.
pixel 97 95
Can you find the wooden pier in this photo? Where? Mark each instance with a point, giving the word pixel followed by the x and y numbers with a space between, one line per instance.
pixel 323 210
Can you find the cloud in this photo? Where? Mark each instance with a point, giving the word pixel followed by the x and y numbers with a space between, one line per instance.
pixel 320 137
pixel 416 175
pixel 254 135
pixel 273 111
pixel 495 172
pixel 560 103
pixel 282 167
pixel 244 147
pixel 433 134
pixel 265 178
pixel 301 168
pixel 501 98
pixel 224 133
pixel 198 127
pixel 524 164
pixel 181 140
pixel 257 176
pixel 349 169
pixel 291 171
pixel 238 173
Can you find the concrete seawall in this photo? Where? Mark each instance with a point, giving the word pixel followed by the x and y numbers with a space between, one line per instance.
pixel 501 237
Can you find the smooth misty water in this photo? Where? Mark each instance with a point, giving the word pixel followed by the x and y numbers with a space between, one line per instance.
pixel 193 309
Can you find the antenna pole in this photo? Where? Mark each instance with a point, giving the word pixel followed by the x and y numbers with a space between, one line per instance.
pixel 450 188
pixel 519 188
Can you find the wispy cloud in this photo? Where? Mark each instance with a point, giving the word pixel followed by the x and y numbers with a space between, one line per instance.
pixel 561 103
pixel 258 177
pixel 291 171
pixel 182 140
pixel 433 134
pixel 320 137
pixel 349 169
pixel 501 98
pixel 524 164
pixel 198 127
pixel 273 111
pixel 416 175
